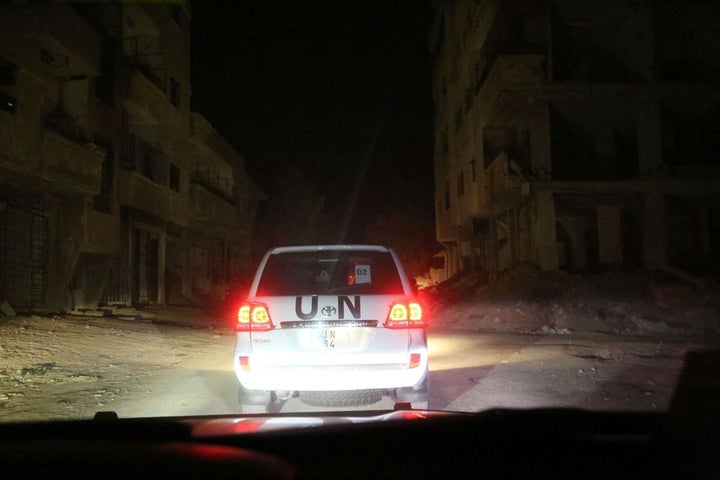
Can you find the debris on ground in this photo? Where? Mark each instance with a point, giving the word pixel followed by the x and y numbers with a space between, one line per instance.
pixel 525 299
pixel 6 310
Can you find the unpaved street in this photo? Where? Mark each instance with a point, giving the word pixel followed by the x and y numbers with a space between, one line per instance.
pixel 599 372
pixel 71 367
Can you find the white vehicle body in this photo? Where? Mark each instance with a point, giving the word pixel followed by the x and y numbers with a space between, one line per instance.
pixel 329 327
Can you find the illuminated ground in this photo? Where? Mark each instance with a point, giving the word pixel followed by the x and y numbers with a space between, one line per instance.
pixel 70 367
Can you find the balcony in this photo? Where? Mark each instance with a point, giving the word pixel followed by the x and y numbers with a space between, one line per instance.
pixel 71 164
pixel 63 124
pixel 511 77
pixel 69 42
pixel 55 153
pixel 140 193
pixel 17 152
pixel 445 231
pixel 216 177
pixel 210 209
pixel 504 187
pixel 144 100
pixel 216 162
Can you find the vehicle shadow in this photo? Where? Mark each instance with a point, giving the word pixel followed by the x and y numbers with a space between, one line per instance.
pixel 449 384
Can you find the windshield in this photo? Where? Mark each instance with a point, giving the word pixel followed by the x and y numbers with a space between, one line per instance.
pixel 523 199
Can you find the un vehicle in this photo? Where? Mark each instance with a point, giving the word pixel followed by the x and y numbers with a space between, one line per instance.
pixel 333 325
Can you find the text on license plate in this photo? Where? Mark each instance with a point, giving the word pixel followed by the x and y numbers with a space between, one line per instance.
pixel 329 338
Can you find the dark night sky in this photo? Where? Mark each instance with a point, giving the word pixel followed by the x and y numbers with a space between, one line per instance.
pixel 326 86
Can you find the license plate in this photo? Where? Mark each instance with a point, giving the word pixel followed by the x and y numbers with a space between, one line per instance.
pixel 329 338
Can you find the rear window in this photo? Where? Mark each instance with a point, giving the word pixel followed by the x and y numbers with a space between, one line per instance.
pixel 330 272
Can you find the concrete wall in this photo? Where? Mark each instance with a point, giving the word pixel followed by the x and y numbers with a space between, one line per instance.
pixel 115 231
pixel 614 147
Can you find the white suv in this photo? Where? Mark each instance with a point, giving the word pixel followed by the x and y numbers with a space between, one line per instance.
pixel 335 325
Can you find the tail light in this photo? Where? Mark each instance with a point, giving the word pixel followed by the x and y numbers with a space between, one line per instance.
pixel 406 314
pixel 244 361
pixel 415 359
pixel 253 316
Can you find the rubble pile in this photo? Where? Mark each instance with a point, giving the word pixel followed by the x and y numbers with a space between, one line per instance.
pixel 524 299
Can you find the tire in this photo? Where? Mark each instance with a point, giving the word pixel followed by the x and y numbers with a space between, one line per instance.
pixel 417 396
pixel 254 401
pixel 343 398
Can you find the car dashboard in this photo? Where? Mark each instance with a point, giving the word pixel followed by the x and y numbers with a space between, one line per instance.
pixel 556 443
pixel 550 443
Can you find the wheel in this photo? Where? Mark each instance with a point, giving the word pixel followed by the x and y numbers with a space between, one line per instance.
pixel 342 398
pixel 417 395
pixel 254 401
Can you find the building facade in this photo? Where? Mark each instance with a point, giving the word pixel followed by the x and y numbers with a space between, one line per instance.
pixel 111 189
pixel 577 135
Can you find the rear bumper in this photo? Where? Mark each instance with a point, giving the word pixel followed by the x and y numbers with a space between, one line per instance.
pixel 334 377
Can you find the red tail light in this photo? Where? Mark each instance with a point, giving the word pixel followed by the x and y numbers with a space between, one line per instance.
pixel 405 315
pixel 253 316
pixel 244 362
pixel 415 359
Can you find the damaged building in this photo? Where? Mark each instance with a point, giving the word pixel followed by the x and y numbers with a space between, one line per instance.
pixel 112 191
pixel 577 135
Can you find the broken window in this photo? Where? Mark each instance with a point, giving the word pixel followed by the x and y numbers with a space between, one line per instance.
pixel 444 143
pixel 174 93
pixel 447 196
pixel 177 14
pixel 138 155
pixel 174 177
pixel 105 83
pixel 8 82
pixel 458 118
pixel 103 200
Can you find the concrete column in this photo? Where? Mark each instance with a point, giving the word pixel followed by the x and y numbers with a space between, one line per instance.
pixel 504 243
pixel 452 261
pixel 650 156
pixel 67 224
pixel 609 236
pixel 576 228
pixel 655 249
pixel 187 270
pixel 492 261
pixel 162 265
pixel 605 152
pixel 130 261
pixel 96 270
pixel 544 232
pixel 705 235
pixel 540 154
